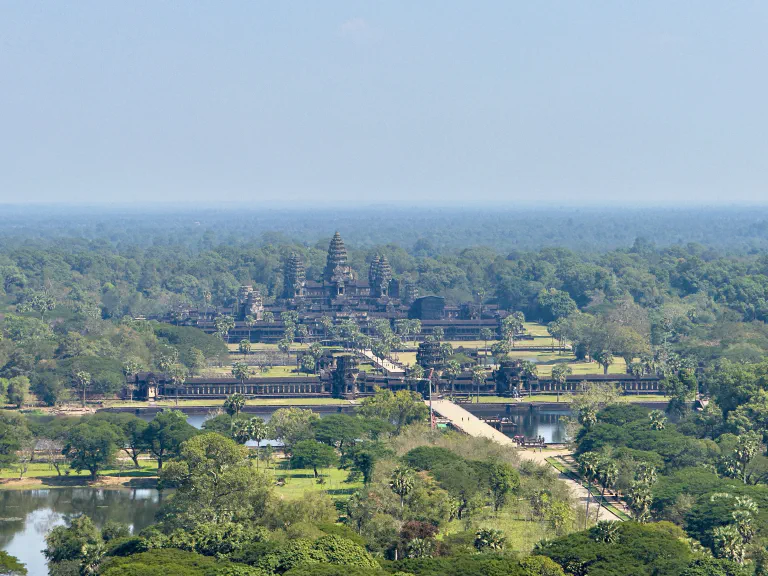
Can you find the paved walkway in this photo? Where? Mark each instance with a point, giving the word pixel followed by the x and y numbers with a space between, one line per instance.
pixel 470 424
pixel 390 368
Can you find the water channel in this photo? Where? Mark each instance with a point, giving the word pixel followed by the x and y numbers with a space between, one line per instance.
pixel 26 516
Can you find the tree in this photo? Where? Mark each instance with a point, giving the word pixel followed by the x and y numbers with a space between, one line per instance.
pixel 485 335
pixel 92 445
pixel 131 367
pixel 560 373
pixel 489 539
pixel 241 371
pixel 478 378
pixel 166 433
pixel 398 408
pixel 658 419
pixel 214 481
pixel 292 425
pixel 178 374
pixel 258 431
pixel 338 430
pixel 438 333
pixel 10 565
pixel 240 431
pixel 18 390
pixel 312 454
pixel 607 474
pixel 132 430
pixel 529 372
pixel 250 322
pixel 308 363
pixel 503 481
pixel 401 483
pixel 452 371
pixel 80 544
pixel 223 325
pixel 14 437
pixel 82 380
pixel 244 347
pixel 234 404
pixel 605 359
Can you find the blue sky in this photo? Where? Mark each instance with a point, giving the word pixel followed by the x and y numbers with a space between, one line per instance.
pixel 304 103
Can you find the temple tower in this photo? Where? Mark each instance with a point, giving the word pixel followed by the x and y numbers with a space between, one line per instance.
pixel 380 276
pixel 294 277
pixel 337 270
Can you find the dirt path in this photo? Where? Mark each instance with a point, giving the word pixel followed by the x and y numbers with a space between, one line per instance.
pixel 470 424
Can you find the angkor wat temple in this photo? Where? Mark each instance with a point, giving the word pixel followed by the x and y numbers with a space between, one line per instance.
pixel 342 294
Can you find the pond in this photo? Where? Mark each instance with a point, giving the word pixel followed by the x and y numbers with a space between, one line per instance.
pixel 26 516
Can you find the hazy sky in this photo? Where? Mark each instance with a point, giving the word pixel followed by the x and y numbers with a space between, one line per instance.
pixel 452 102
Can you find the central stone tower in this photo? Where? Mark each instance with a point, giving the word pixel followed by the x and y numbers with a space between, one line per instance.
pixel 337 270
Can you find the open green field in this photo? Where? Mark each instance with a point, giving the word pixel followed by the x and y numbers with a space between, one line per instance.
pixel 39 469
pixel 521 534
pixel 273 372
pixel 298 482
pixel 260 346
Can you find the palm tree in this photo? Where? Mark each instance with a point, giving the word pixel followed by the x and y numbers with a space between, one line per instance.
pixel 489 538
pixel 560 373
pixel 240 431
pixel 234 404
pixel 82 380
pixel 486 334
pixel 512 325
pixel 250 322
pixel 131 367
pixel 587 466
pixel 178 377
pixel 530 372
pixel 607 474
pixel 478 378
pixel 401 482
pixel 241 372
pixel 244 347
pixel 658 419
pixel 452 371
pixel 223 325
pixel 258 431
pixel 605 359
pixel 268 317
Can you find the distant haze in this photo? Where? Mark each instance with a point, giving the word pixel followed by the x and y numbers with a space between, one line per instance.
pixel 303 104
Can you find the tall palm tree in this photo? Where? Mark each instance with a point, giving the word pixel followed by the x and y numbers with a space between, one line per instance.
pixel 478 378
pixel 259 431
pixel 401 483
pixel 82 380
pixel 250 322
pixel 244 347
pixel 241 371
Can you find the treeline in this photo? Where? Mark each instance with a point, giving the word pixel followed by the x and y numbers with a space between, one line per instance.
pixel 73 354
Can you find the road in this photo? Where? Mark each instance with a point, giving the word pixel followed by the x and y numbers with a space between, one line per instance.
pixel 470 424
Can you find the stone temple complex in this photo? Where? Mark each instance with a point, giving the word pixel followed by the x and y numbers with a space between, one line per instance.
pixel 342 294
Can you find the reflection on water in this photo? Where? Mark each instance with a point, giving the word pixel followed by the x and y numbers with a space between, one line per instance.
pixel 26 516
pixel 547 422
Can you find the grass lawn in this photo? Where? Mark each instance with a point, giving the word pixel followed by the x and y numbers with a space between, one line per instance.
pixel 522 535
pixel 300 481
pixel 261 346
pixel 39 469
pixel 274 371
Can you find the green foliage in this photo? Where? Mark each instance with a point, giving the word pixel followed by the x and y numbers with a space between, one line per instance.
pixel 214 481
pixel 92 445
pixel 165 435
pixel 313 454
pixel 398 408
pixel 172 562
pixel 10 565
pixel 638 549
